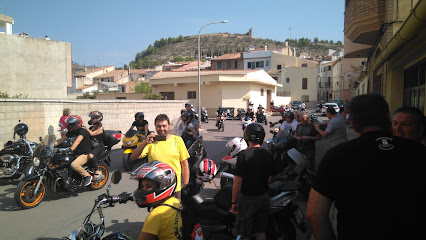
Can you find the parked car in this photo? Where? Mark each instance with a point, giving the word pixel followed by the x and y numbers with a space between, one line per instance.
pixel 296 105
pixel 339 103
pixel 335 106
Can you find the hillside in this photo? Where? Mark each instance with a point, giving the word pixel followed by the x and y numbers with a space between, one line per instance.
pixel 216 44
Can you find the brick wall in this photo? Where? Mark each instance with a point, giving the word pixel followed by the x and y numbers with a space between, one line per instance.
pixel 39 115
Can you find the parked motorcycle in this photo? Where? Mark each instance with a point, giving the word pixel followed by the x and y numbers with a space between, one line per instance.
pixel 16 156
pixel 204 115
pixel 90 230
pixel 54 171
pixel 241 113
pixel 131 140
pixel 261 117
pixel 214 216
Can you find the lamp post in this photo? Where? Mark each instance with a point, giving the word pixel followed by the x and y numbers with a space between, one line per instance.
pixel 199 56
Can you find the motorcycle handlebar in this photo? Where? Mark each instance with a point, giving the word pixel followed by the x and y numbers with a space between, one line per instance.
pixel 121 198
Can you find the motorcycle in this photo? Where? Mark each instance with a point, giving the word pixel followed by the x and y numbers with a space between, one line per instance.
pixel 90 230
pixel 204 115
pixel 261 117
pixel 246 121
pixel 220 122
pixel 241 112
pixel 214 216
pixel 54 171
pixel 131 140
pixel 16 156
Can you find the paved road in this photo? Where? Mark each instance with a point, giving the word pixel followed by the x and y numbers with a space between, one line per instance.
pixel 58 215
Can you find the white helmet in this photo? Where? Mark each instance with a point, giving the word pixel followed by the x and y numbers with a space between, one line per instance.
pixel 206 170
pixel 236 145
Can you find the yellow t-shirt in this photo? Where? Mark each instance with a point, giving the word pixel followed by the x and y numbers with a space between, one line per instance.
pixel 164 221
pixel 172 151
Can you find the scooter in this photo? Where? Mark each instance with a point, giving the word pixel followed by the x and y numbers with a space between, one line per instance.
pixel 220 122
pixel 214 216
pixel 204 115
pixel 131 140
pixel 261 117
pixel 246 121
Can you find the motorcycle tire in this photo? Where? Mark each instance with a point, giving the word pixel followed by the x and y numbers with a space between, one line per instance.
pixel 283 228
pixel 222 127
pixel 127 162
pixel 24 194
pixel 98 184
pixel 266 122
pixel 206 120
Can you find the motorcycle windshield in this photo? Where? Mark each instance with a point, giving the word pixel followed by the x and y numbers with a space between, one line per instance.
pixel 176 127
pixel 45 147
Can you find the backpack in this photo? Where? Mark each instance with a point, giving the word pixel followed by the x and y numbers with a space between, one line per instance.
pixel 191 229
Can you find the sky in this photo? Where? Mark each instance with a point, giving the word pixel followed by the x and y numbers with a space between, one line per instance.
pixel 106 32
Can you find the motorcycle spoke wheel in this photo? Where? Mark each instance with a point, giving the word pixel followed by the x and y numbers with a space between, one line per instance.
pixel 98 184
pixel 24 194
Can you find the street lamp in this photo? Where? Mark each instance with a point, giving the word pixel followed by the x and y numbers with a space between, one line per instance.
pixel 199 56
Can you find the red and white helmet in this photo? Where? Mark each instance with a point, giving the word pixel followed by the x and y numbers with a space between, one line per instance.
pixel 236 145
pixel 206 170
pixel 165 178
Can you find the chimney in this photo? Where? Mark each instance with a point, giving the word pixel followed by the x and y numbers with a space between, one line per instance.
pixel 266 46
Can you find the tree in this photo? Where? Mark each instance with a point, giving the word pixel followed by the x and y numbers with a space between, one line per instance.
pixel 339 43
pixel 315 40
pixel 143 88
pixel 178 59
pixel 125 67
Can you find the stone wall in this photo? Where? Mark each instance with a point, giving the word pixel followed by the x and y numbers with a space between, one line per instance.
pixel 40 114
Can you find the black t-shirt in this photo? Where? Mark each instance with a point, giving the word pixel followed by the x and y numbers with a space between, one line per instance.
pixel 140 125
pixel 84 146
pixel 306 130
pixel 255 165
pixel 98 140
pixel 376 181
pixel 250 114
pixel 219 112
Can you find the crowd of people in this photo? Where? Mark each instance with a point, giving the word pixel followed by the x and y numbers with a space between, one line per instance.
pixel 358 176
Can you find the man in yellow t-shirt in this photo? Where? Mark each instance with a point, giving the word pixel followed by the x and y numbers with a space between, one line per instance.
pixel 171 151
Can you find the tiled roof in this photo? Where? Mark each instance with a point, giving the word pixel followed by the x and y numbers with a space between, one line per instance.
pixel 228 56
pixel 84 87
pixel 114 74
pixel 130 84
pixel 83 74
pixel 138 71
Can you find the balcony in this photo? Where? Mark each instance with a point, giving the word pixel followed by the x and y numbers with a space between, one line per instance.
pixel 363 19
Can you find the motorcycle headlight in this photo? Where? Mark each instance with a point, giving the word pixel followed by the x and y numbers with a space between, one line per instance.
pixel 128 142
pixel 36 162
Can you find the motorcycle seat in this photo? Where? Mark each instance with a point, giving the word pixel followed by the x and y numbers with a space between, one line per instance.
pixel 290 186
pixel 216 228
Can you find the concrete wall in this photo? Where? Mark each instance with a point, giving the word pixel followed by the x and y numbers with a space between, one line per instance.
pixel 296 74
pixel 36 68
pixel 39 115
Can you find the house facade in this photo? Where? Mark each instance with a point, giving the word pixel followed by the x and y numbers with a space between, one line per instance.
pixel 218 88
pixel 230 61
pixel 82 80
pixel 392 36
pixel 116 76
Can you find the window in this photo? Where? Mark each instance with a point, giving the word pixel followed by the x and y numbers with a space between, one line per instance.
pixel 329 68
pixel 192 95
pixel 235 64
pixel 278 67
pixel 228 64
pixel 219 65
pixel 261 92
pixel 168 95
pixel 259 64
pixel 282 93
pixel 275 78
pixel 249 65
pixel 304 83
pixel 123 89
pixel 287 80
pixel 267 63
pixel 253 65
pixel 304 65
pixel 120 98
pixel 414 85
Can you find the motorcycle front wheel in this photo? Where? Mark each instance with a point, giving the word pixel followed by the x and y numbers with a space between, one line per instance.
pixel 98 184
pixel 127 162
pixel 222 127
pixel 24 194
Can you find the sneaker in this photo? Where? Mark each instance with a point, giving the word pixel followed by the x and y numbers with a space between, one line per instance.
pixel 86 181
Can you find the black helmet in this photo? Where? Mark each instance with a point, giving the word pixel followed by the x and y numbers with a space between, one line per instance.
pixel 139 115
pixel 220 107
pixel 254 132
pixel 21 129
pixel 187 105
pixel 74 122
pixel 186 115
pixel 290 115
pixel 95 117
pixel 166 182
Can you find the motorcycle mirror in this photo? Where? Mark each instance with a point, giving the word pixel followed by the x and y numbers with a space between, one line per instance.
pixel 40 138
pixel 116 176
